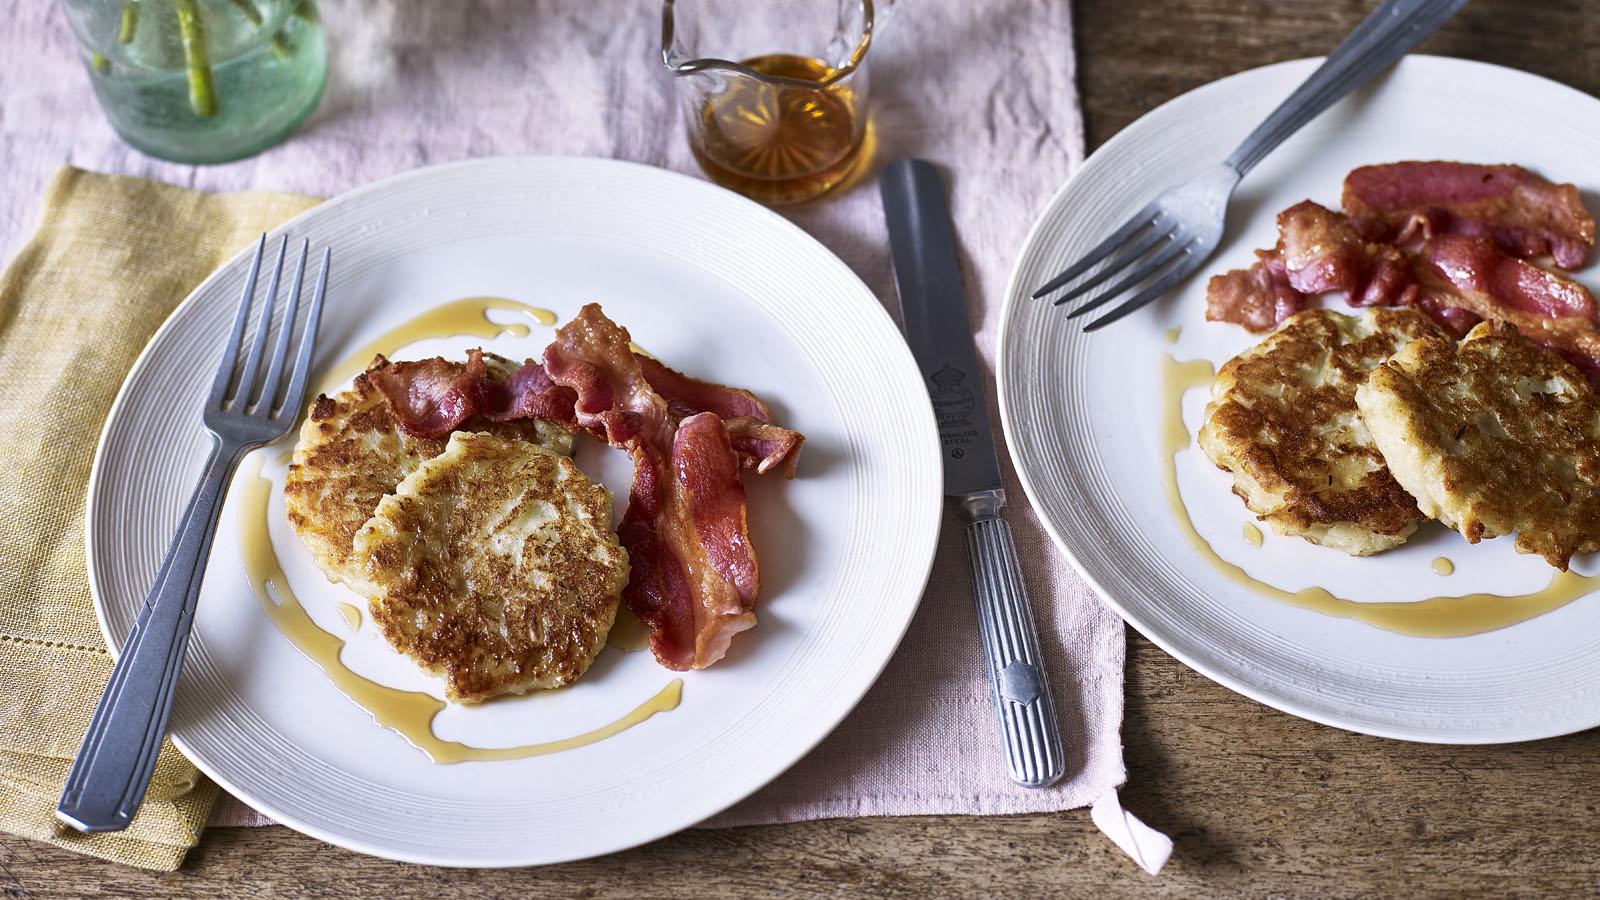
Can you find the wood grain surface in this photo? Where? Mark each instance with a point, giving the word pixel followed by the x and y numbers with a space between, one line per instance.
pixel 1261 804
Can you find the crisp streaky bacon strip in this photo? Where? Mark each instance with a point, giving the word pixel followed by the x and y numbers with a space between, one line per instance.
pixel 758 441
pixel 433 397
pixel 1475 221
pixel 1475 266
pixel 1322 252
pixel 1474 276
pixel 695 575
pixel 1258 297
pixel 686 396
pixel 529 394
pixel 614 399
pixel 705 484
pixel 1524 214
pixel 1317 251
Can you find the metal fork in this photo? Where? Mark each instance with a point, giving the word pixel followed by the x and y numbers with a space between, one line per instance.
pixel 1177 231
pixel 244 410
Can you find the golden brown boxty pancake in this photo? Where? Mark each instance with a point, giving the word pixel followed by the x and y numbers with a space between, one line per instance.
pixel 495 565
pixel 352 452
pixel 1492 436
pixel 1283 421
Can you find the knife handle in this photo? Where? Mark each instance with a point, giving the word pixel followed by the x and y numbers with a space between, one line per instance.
pixel 1026 714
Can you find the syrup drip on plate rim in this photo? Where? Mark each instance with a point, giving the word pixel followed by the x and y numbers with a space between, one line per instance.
pixel 408 713
pixel 1442 616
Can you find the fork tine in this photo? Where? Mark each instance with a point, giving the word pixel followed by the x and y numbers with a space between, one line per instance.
pixel 280 351
pixel 258 346
pixel 1152 265
pixel 1122 261
pixel 295 398
pixel 230 353
pixel 1174 275
pixel 1139 220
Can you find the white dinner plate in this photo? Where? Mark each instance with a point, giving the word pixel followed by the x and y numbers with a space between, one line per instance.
pixel 714 285
pixel 1083 415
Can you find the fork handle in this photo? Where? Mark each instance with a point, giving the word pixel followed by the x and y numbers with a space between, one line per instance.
pixel 113 767
pixel 1023 707
pixel 1378 42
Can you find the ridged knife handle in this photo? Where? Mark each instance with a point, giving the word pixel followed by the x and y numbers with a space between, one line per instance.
pixel 1026 714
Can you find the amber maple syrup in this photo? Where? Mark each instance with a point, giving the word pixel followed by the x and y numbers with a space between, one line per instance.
pixel 781 143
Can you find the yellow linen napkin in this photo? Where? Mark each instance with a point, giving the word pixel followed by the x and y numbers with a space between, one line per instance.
pixel 113 255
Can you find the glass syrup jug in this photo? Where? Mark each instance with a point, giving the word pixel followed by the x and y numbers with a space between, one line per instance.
pixel 775 105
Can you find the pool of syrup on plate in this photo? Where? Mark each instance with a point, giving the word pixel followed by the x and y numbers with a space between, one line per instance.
pixel 1442 616
pixel 409 713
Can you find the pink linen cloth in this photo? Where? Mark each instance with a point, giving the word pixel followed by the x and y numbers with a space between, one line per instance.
pixel 986 90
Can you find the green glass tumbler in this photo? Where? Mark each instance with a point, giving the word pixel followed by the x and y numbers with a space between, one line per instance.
pixel 202 81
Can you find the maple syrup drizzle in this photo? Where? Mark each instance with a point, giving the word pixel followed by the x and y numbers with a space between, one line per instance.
pixel 1443 566
pixel 1458 616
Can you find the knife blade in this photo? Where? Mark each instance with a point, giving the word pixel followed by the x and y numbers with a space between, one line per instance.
pixel 933 306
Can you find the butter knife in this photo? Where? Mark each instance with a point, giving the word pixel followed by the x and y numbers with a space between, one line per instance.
pixel 934 306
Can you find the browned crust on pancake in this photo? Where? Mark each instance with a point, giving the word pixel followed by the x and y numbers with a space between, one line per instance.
pixel 1283 419
pixel 469 591
pixel 350 454
pixel 1498 434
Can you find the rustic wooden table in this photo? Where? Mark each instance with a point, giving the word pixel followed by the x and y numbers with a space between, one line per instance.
pixel 1261 804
